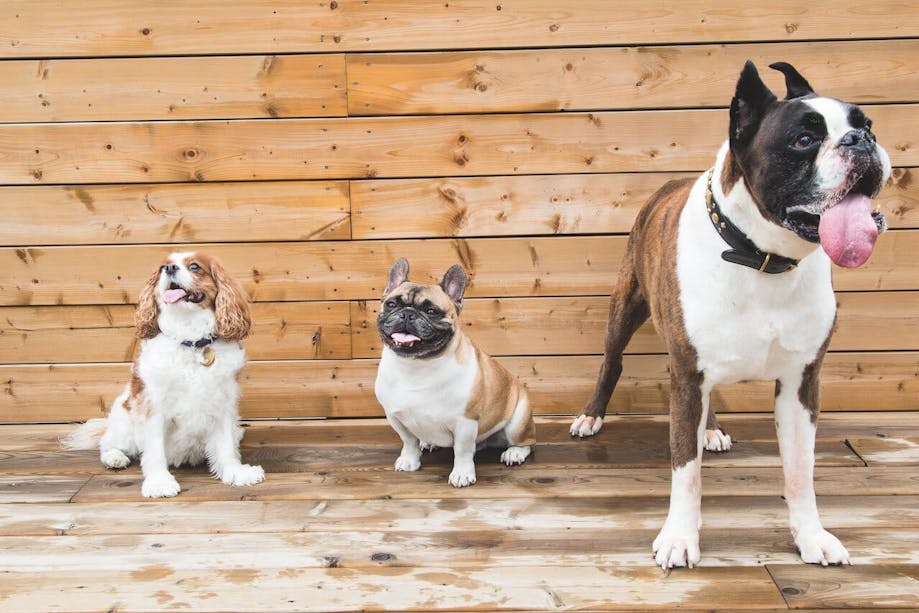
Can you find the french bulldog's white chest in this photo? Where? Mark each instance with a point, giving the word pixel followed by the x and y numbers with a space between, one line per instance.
pixel 747 325
pixel 426 396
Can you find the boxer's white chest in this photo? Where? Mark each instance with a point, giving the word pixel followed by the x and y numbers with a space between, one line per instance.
pixel 426 396
pixel 747 325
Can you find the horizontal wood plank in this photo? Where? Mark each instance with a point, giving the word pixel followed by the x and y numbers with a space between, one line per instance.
pixel 39 488
pixel 557 385
pixel 737 548
pixel 644 77
pixel 173 88
pixel 879 451
pixel 123 214
pixel 99 28
pixel 356 270
pixel 418 146
pixel 560 452
pixel 282 330
pixel 494 478
pixel 877 513
pixel 894 586
pixel 850 426
pixel 539 326
pixel 251 588
pixel 542 204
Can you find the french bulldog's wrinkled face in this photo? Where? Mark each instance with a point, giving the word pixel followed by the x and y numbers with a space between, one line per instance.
pixel 419 321
pixel 803 155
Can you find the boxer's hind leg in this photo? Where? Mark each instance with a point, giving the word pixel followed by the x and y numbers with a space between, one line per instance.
pixel 628 310
pixel 716 439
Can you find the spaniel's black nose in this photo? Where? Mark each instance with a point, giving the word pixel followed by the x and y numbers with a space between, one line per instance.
pixel 171 269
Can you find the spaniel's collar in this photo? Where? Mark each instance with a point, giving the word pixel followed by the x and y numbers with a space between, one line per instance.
pixel 201 342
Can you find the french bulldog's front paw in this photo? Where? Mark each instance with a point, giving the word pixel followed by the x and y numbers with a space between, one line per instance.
pixel 676 546
pixel 242 475
pixel 160 486
pixel 407 463
pixel 718 440
pixel 515 455
pixel 427 446
pixel 821 547
pixel 114 458
pixel 585 425
pixel 462 476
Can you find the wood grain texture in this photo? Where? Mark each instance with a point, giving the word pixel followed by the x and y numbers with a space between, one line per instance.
pixel 418 146
pixel 644 77
pixel 282 330
pixel 542 204
pixel 103 27
pixel 878 381
pixel 39 488
pixel 356 270
pixel 877 513
pixel 173 88
pixel 124 214
pixel 894 586
pixel 495 479
pixel 878 451
pixel 539 326
pixel 311 589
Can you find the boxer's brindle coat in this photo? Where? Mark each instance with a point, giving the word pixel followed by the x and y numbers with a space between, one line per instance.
pixel 786 162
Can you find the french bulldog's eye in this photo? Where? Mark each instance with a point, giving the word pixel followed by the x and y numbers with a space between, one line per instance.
pixel 390 304
pixel 804 140
pixel 194 267
pixel 431 311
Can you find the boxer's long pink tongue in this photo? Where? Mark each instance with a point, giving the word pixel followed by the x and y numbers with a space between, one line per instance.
pixel 404 339
pixel 848 232
pixel 173 295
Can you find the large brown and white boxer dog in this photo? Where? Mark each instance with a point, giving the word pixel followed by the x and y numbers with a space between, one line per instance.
pixel 730 268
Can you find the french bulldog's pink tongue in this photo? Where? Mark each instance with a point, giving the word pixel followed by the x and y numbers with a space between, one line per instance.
pixel 847 231
pixel 404 339
pixel 173 295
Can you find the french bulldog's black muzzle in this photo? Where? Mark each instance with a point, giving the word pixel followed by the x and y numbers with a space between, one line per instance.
pixel 433 335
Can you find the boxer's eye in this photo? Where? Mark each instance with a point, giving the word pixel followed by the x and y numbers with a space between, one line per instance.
pixel 804 140
pixel 868 125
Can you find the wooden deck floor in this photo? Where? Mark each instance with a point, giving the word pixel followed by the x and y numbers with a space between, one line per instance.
pixel 334 528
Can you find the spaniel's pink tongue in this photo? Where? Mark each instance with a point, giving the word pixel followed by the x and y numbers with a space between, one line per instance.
pixel 404 339
pixel 848 232
pixel 173 295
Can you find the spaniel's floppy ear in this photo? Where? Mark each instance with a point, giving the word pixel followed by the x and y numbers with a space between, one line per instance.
pixel 231 306
pixel 147 311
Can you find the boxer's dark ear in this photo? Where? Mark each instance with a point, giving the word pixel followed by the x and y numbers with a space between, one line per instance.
pixel 454 285
pixel 398 275
pixel 751 101
pixel 795 84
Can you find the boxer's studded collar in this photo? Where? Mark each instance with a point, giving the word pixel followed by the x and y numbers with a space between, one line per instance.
pixel 743 251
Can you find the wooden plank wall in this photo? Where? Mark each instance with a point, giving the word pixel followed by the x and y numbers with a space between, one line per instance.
pixel 309 144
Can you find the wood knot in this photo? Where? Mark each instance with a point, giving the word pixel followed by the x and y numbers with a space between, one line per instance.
pixel 146 31
pixel 190 154
pixel 553 27
pixel 333 5
pixel 382 557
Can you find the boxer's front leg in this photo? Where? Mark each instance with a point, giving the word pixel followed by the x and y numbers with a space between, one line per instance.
pixel 677 544
pixel 796 408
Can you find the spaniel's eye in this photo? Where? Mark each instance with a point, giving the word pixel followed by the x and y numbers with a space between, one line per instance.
pixel 194 267
pixel 390 304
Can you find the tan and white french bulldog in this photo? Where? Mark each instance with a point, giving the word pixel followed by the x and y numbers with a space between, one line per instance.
pixel 438 389
pixel 734 269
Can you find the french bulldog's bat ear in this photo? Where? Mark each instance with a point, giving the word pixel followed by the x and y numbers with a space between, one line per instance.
pixel 454 285
pixel 796 85
pixel 398 275
pixel 751 100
